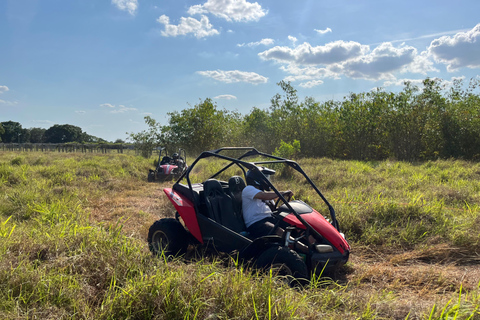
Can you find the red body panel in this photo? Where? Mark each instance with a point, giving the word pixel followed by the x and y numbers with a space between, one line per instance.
pixel 186 210
pixel 168 168
pixel 320 224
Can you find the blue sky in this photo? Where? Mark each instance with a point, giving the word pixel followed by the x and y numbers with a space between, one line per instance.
pixel 103 65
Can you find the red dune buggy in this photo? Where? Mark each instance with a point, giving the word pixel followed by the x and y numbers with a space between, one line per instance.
pixel 168 166
pixel 210 212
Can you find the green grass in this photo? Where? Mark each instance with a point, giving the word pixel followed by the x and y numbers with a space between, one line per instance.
pixel 56 262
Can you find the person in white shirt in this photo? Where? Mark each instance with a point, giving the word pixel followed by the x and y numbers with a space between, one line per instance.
pixel 256 201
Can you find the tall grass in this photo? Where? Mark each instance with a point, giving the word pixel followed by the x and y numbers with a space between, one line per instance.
pixel 56 261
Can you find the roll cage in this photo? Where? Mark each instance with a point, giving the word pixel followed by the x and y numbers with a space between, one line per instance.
pixel 243 164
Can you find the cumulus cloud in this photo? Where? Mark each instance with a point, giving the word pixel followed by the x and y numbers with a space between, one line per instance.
pixel 305 54
pixel 445 84
pixel 126 5
pixel 199 29
pixel 234 76
pixel 311 65
pixel 293 39
pixel 323 31
pixel 421 64
pixel 226 97
pixel 381 62
pixel 3 89
pixel 297 73
pixel 461 50
pixel 401 82
pixel 107 105
pixel 264 42
pixel 311 84
pixel 230 10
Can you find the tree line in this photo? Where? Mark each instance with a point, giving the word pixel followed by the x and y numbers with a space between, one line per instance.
pixel 418 123
pixel 13 132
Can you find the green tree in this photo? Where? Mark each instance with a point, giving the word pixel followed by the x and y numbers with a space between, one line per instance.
pixel 146 140
pixel 37 135
pixel 2 131
pixel 203 127
pixel 63 133
pixel 259 130
pixel 14 133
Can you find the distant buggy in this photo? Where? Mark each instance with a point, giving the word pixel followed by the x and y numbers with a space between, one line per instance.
pixel 168 167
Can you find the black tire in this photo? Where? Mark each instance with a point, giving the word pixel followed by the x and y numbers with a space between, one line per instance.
pixel 151 176
pixel 168 236
pixel 285 263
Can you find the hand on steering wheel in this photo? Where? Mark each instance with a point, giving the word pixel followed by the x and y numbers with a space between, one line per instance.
pixel 287 195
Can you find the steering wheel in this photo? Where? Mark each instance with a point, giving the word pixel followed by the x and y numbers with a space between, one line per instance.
pixel 288 198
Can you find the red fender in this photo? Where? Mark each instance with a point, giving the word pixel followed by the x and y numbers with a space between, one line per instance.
pixel 186 210
pixel 325 228
pixel 168 168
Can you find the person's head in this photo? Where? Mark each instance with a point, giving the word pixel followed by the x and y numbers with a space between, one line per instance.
pixel 256 179
pixel 175 156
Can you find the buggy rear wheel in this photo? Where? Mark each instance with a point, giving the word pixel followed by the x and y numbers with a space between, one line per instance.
pixel 168 236
pixel 285 263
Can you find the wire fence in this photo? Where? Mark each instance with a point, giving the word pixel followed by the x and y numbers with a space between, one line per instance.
pixel 66 147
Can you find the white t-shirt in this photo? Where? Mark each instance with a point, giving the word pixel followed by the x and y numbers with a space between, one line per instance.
pixel 253 209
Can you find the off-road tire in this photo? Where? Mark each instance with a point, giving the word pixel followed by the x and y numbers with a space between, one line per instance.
pixel 151 176
pixel 168 236
pixel 285 263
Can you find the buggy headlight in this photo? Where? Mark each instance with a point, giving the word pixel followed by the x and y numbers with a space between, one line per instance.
pixel 323 248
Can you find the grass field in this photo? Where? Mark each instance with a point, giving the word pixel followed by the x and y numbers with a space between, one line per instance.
pixel 73 245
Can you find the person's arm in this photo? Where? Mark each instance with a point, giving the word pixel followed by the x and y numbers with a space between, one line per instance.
pixel 270 195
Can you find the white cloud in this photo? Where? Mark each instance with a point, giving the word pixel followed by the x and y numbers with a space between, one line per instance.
pixel 401 82
pixel 226 97
pixel 126 5
pixel 234 76
pixel 461 50
pixel 43 122
pixel 305 54
pixel 381 62
pixel 307 73
pixel 293 39
pixel 311 84
pixel 352 59
pixel 421 64
pixel 445 84
pixel 3 89
pixel 80 112
pixel 8 103
pixel 120 109
pixel 323 31
pixel 236 10
pixel 199 29
pixel 264 42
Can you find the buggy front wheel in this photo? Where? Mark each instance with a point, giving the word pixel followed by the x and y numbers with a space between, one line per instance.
pixel 285 263
pixel 151 176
